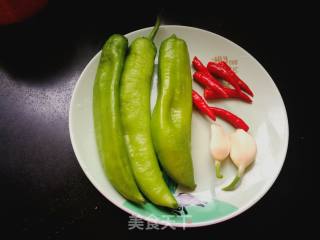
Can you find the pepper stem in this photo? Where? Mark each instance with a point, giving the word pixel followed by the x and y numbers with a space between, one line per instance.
pixel 218 172
pixel 235 181
pixel 155 29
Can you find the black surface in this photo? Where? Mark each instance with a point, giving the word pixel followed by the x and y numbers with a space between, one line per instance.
pixel 44 192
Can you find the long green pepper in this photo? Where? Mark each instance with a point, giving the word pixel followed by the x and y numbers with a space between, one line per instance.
pixel 136 116
pixel 107 122
pixel 171 119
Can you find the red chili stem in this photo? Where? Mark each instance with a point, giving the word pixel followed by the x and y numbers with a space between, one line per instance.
pixel 210 82
pixel 230 118
pixel 209 94
pixel 221 72
pixel 202 106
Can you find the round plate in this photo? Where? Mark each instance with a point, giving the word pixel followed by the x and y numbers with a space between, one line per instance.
pixel 207 204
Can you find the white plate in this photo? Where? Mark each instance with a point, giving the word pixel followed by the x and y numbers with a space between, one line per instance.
pixel 208 204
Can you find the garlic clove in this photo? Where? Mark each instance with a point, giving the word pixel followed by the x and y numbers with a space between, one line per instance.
pixel 243 152
pixel 243 149
pixel 219 146
pixel 220 143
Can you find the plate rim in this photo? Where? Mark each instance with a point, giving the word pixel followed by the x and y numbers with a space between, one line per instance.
pixel 236 213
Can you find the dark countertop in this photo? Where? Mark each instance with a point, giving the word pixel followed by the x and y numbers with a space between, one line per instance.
pixel 43 189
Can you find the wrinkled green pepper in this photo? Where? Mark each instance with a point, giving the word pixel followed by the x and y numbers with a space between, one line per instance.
pixel 107 121
pixel 171 118
pixel 136 115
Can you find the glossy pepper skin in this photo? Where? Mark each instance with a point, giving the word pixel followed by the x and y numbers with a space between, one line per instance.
pixel 136 116
pixel 107 121
pixel 229 117
pixel 232 74
pixel 211 83
pixel 202 106
pixel 209 94
pixel 171 119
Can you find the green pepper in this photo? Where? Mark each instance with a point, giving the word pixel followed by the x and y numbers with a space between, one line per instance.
pixel 171 118
pixel 107 121
pixel 135 91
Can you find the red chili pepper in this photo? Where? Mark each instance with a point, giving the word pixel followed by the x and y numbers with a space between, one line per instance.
pixel 203 107
pixel 198 65
pixel 209 94
pixel 210 82
pixel 230 118
pixel 219 71
pixel 241 83
pixel 223 70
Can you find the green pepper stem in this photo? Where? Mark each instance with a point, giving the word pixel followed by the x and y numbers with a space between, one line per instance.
pixel 218 172
pixel 155 29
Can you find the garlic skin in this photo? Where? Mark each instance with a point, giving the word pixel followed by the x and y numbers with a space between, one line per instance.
pixel 219 143
pixel 243 149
